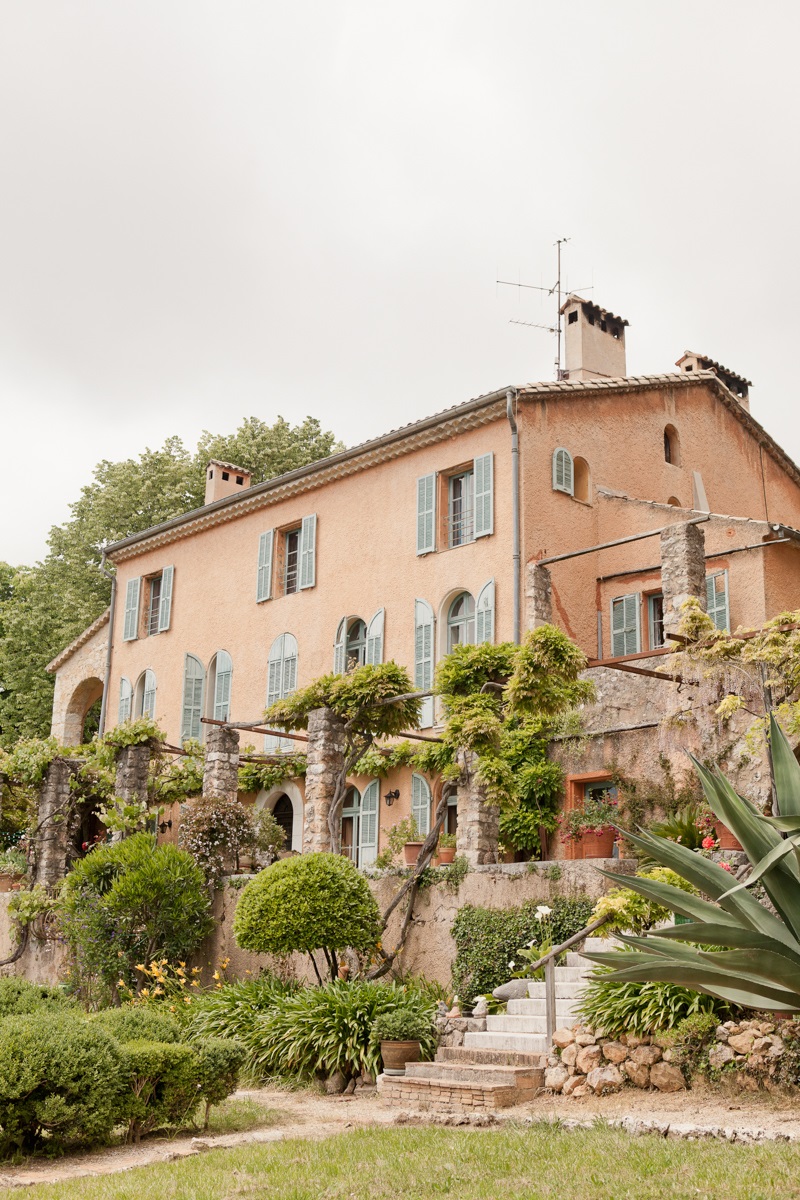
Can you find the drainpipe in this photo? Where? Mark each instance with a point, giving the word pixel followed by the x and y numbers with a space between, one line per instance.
pixel 511 396
pixel 104 702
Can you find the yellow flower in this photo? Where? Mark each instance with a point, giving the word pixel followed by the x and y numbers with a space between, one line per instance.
pixel 215 975
pixel 145 992
pixel 195 983
pixel 219 985
pixel 159 991
pixel 187 1000
pixel 141 967
pixel 181 964
pixel 121 983
pixel 195 970
pixel 248 972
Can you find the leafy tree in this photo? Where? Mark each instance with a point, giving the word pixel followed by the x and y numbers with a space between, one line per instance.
pixel 44 607
pixel 312 902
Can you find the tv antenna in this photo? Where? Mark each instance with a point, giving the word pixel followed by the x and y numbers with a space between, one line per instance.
pixel 556 291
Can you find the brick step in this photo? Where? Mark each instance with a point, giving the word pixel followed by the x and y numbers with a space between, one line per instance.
pixel 527 1043
pixel 483 1056
pixel 477 1073
pixel 531 1021
pixel 449 1095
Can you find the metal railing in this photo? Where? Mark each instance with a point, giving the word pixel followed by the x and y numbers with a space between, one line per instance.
pixel 548 961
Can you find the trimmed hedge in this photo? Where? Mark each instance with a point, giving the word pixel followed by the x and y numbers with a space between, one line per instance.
pixel 17 997
pixel 138 1025
pixel 488 939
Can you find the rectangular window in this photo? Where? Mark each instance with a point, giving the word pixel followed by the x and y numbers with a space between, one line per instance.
pixel 154 608
pixel 625 625
pixel 717 599
pixel 655 621
pixel 460 509
pixel 291 561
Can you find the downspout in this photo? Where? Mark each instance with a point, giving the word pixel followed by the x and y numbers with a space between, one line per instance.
pixel 101 728
pixel 511 396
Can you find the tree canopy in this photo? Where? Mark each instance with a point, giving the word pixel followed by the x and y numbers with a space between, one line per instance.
pixel 44 607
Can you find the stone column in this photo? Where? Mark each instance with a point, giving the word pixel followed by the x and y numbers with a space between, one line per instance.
pixel 683 570
pixel 325 765
pixel 538 596
pixel 478 829
pixel 221 769
pixel 54 820
pixel 133 765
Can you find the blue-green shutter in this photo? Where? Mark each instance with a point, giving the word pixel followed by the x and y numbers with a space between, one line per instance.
pixel 308 552
pixel 423 658
pixel 374 652
pixel 484 614
pixel 149 695
pixel 192 707
pixel 717 599
pixel 563 475
pixel 130 629
pixel 165 601
pixel 281 682
pixel 421 803
pixel 426 514
pixel 125 699
pixel 339 648
pixel 483 475
pixel 222 686
pixel 368 825
pixel 625 625
pixel 264 578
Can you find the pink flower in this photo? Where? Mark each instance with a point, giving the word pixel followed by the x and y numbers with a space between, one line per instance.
pixel 708 843
pixel 725 866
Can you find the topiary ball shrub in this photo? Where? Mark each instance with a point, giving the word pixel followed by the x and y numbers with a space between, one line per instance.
pixel 403 1025
pixel 17 997
pixel 128 903
pixel 129 1024
pixel 311 902
pixel 61 1083
pixel 164 1089
pixel 218 1063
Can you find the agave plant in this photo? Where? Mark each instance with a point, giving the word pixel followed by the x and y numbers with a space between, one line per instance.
pixel 733 946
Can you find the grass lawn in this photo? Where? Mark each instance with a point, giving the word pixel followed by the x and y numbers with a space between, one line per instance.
pixel 509 1164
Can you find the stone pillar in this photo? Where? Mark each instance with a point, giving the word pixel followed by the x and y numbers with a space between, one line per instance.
pixel 683 570
pixel 538 596
pixel 325 765
pixel 133 766
pixel 56 806
pixel 478 829
pixel 221 770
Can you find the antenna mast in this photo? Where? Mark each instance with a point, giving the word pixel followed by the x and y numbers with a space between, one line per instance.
pixel 554 290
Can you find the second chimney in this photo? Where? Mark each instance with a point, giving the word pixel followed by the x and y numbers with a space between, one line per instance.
pixel 594 341
pixel 224 479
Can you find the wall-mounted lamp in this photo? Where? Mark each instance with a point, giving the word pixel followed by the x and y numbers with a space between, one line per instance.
pixel 390 797
pixel 164 826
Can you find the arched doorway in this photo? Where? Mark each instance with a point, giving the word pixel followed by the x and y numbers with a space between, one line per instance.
pixel 83 703
pixel 289 797
pixel 283 812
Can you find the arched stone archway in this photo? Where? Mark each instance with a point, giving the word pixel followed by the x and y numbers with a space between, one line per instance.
pixel 291 792
pixel 84 696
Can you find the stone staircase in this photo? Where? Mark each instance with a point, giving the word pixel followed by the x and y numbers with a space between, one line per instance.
pixel 500 1066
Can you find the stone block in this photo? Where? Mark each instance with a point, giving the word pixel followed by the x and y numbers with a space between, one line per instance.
pixel 569 1054
pixel 585 1039
pixel 742 1043
pixel 637 1073
pixel 615 1052
pixel 572 1084
pixel 563 1038
pixel 604 1079
pixel 588 1058
pixel 719 1055
pixel 555 1078
pixel 646 1055
pixel 667 1078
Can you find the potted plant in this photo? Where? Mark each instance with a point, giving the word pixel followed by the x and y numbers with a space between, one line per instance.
pixel 13 867
pixel 447 848
pixel 589 826
pixel 400 1031
pixel 270 837
pixel 407 834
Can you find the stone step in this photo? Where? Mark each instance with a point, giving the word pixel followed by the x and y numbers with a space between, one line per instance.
pixel 477 1073
pixel 567 975
pixel 577 962
pixel 531 1021
pixel 527 1043
pixel 449 1095
pixel 536 991
pixel 498 1057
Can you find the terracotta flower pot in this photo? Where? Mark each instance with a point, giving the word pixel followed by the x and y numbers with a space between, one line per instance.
pixel 446 854
pixel 411 852
pixel 725 838
pixel 7 883
pixel 395 1055
pixel 593 845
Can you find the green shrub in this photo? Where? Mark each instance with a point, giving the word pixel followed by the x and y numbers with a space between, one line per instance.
pixel 129 1024
pixel 18 997
pixel 61 1082
pixel 312 902
pixel 232 1011
pixel 129 903
pixel 164 1089
pixel 326 1029
pixel 402 1025
pixel 643 1008
pixel 488 939
pixel 219 1061
pixel 629 912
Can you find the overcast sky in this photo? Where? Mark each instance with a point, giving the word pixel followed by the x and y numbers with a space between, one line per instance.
pixel 217 208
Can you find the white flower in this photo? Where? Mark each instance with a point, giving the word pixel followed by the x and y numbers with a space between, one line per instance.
pixel 511 965
pixel 543 909
pixel 538 915
pixel 531 943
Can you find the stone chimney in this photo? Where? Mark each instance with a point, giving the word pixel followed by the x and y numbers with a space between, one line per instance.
pixel 594 342
pixel 224 479
pixel 689 362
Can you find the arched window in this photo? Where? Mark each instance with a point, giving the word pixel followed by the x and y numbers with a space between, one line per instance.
pixel 563 471
pixel 421 803
pixel 675 502
pixel 218 700
pixel 450 791
pixel 355 651
pixel 461 621
pixel 672 446
pixel 144 704
pixel 358 643
pixel 281 682
pixel 125 699
pixel 360 824
pixel 581 481
pixel 194 677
